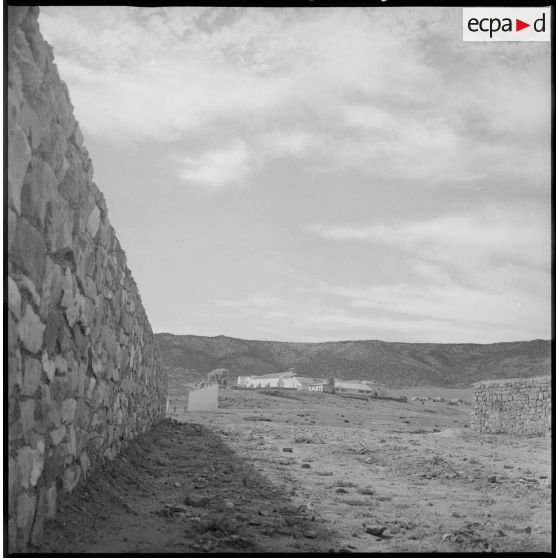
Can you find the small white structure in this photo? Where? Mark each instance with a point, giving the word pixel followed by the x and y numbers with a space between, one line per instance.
pixel 315 384
pixel 203 399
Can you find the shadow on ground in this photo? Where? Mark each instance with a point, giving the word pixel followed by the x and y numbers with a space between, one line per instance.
pixel 180 488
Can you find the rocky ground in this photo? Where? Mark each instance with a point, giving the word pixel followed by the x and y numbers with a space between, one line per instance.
pixel 273 470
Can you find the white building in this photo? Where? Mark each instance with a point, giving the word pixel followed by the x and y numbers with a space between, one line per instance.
pixel 280 379
pixel 357 386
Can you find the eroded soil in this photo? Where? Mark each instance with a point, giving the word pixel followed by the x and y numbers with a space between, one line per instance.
pixel 292 471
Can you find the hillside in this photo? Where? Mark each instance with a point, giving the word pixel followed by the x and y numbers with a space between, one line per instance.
pixel 392 364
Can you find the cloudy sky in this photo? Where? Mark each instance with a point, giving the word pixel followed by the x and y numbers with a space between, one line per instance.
pixel 315 174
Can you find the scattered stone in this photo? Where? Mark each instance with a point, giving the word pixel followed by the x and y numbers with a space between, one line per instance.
pixel 306 466
pixel 376 531
pixel 310 534
pixel 197 500
pixel 176 508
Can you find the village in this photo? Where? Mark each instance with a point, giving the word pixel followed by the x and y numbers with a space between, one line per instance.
pixel 185 396
pixel 292 380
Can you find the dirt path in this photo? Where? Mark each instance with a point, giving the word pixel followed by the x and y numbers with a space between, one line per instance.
pixel 356 476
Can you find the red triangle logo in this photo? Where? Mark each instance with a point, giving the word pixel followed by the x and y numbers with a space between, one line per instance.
pixel 519 25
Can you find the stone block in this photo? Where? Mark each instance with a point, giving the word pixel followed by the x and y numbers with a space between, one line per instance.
pixel 50 511
pixel 68 410
pixel 55 147
pixel 38 524
pixel 49 366
pixel 19 156
pixel 12 536
pixel 32 125
pixel 90 288
pixel 59 226
pixel 52 285
pixel 12 224
pixel 82 370
pixel 93 221
pixel 15 372
pixel 14 484
pixel 68 290
pixel 54 464
pixel 71 446
pixel 14 299
pixel 99 394
pixel 54 323
pixel 30 464
pixel 31 376
pixel 39 188
pixel 47 413
pixel 25 513
pixel 26 285
pixel 81 342
pixel 28 250
pixel 97 366
pixel 59 389
pixel 13 109
pixel 27 411
pixel 12 345
pixel 90 388
pixel 57 435
pixel 61 365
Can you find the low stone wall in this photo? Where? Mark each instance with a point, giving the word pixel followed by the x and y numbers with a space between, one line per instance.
pixel 84 372
pixel 519 406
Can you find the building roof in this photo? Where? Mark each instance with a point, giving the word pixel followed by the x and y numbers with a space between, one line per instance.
pixel 276 375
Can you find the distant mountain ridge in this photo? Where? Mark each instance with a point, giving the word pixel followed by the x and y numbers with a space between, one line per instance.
pixel 389 363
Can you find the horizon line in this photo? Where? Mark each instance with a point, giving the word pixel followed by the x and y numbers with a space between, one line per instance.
pixel 355 340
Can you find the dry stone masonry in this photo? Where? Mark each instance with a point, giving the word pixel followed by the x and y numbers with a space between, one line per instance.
pixel 84 372
pixel 520 406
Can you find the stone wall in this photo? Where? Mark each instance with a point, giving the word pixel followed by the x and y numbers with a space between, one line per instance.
pixel 519 406
pixel 84 372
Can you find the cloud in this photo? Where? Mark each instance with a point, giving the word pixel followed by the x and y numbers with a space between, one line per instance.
pixel 491 235
pixel 364 90
pixel 486 271
pixel 251 302
pixel 219 168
